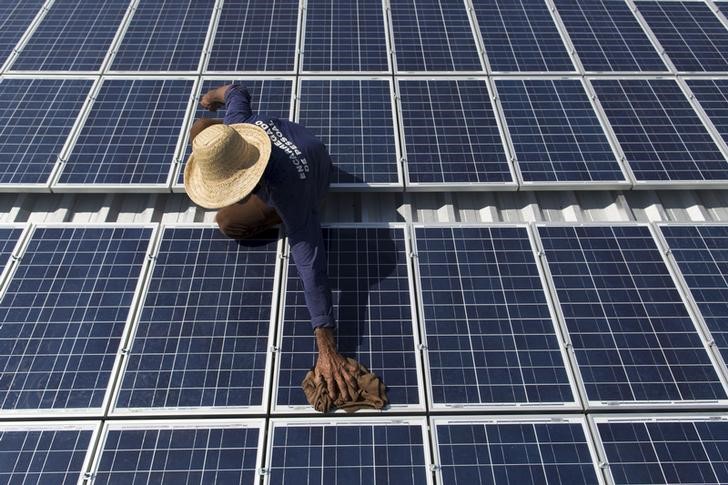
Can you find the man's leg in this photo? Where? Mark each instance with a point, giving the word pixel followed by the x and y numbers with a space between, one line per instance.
pixel 246 218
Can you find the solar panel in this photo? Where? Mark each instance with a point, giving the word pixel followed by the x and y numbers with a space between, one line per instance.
pixel 713 97
pixel 63 315
pixel 607 36
pixel 701 253
pixel 10 235
pixel 165 36
pixel 15 18
pixel 74 35
pixel 344 36
pixel 489 333
pixel 662 137
pixel 34 453
pixel 433 36
pixel 482 451
pixel 693 37
pixel 255 36
pixel 208 451
pixel 369 276
pixel 36 117
pixel 521 36
pixel 450 133
pixel 129 136
pixel 348 452
pixel 272 96
pixel 355 119
pixel 665 449
pixel 556 133
pixel 202 338
pixel 633 339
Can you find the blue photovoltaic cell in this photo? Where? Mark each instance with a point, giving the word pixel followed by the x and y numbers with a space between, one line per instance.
pixel 179 455
pixel 433 35
pixel 367 270
pixel 344 36
pixel 693 37
pixel 713 97
pixel 255 36
pixel 451 133
pixel 555 132
pixel 354 119
pixel 521 36
pixel 514 453
pixel 607 36
pixel 36 116
pixel 75 35
pixel 488 330
pixel 632 335
pixel 348 454
pixel 130 134
pixel 42 456
pixel 15 17
pixel 271 96
pixel 701 253
pixel 202 336
pixel 666 452
pixel 64 313
pixel 165 35
pixel 661 135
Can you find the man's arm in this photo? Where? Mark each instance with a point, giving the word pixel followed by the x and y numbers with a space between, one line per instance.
pixel 236 100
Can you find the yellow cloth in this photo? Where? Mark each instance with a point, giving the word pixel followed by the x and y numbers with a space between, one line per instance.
pixel 372 393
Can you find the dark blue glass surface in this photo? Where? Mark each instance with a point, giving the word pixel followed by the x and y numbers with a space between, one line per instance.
pixel 368 274
pixel 632 335
pixel 713 97
pixel 555 132
pixel 354 120
pixel 15 18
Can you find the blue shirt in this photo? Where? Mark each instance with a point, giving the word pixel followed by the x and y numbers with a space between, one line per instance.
pixel 294 183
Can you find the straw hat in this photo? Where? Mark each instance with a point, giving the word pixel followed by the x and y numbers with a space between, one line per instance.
pixel 227 162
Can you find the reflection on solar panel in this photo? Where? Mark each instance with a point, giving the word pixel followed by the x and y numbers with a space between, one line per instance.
pixel 37 454
pixel 75 35
pixel 354 118
pixel 271 96
pixel 344 36
pixel 165 36
pixel 130 134
pixel 64 312
pixel 255 36
pixel 521 36
pixel 555 132
pixel 513 452
pixel 450 133
pixel 202 337
pixel 359 453
pixel 488 329
pixel 8 239
pixel 607 36
pixel 661 135
pixel 633 338
pixel 212 452
pixel 666 450
pixel 701 253
pixel 433 35
pixel 713 97
pixel 693 37
pixel 368 272
pixel 36 116
pixel 15 17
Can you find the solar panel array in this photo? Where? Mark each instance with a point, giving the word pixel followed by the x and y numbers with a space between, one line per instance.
pixel 182 352
pixel 456 130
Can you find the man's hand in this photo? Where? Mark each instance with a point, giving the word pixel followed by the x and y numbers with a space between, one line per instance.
pixel 214 99
pixel 333 367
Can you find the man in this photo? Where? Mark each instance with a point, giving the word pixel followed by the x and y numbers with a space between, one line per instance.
pixel 258 171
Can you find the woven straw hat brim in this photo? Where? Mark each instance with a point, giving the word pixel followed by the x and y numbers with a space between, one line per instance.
pixel 214 195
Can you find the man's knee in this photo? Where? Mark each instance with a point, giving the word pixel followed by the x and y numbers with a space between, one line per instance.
pixel 200 124
pixel 225 219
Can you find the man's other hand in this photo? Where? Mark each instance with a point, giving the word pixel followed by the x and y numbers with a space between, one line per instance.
pixel 333 367
pixel 210 101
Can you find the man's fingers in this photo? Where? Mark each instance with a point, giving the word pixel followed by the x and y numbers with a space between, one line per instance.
pixel 332 388
pixel 351 381
pixel 342 388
